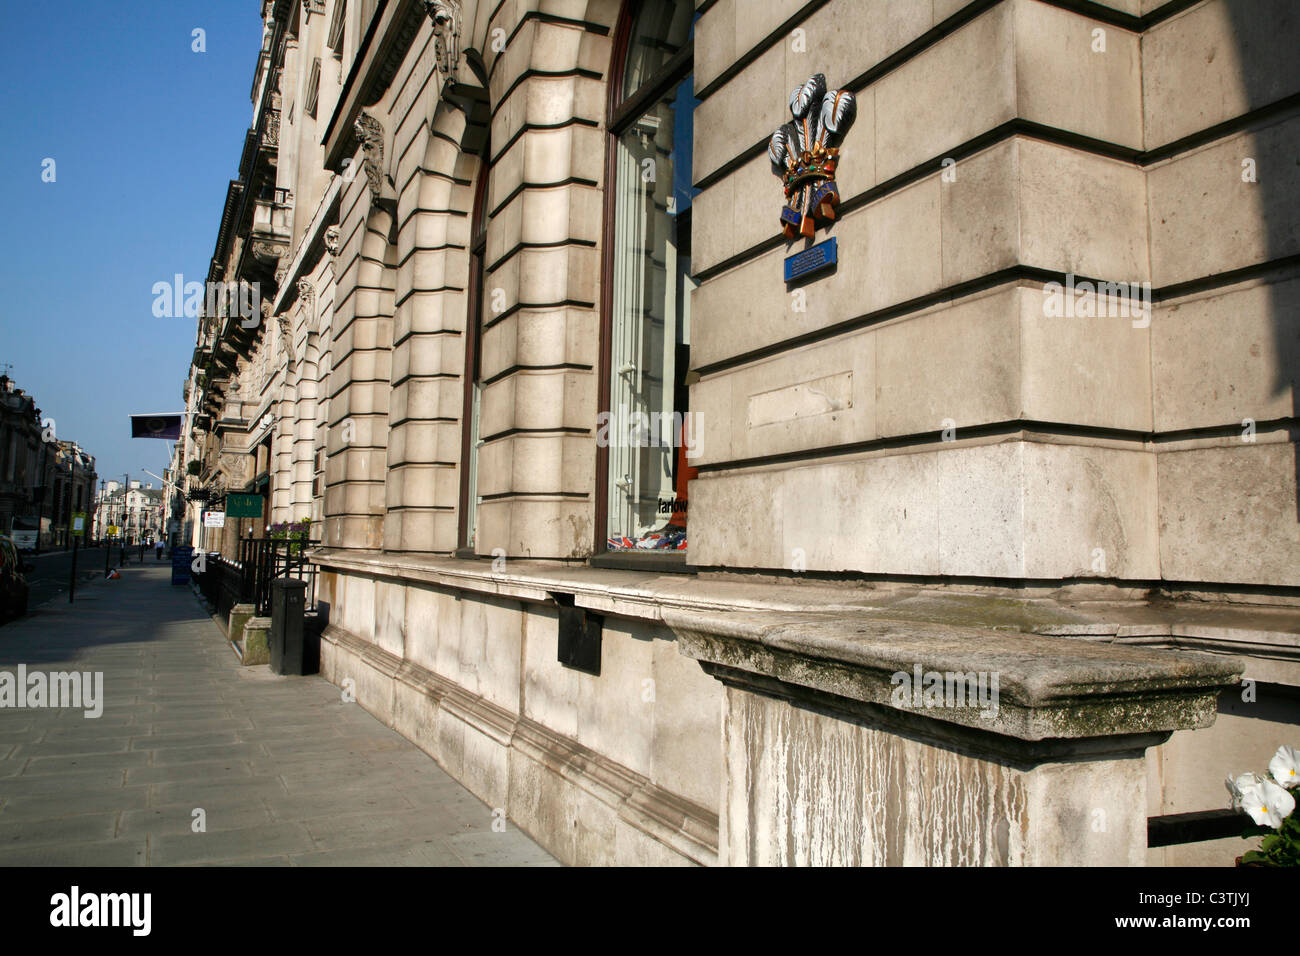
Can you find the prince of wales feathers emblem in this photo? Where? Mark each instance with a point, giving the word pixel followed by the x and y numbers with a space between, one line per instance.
pixel 805 151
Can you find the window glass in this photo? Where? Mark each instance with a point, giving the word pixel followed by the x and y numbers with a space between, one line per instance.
pixel 470 499
pixel 647 428
pixel 659 33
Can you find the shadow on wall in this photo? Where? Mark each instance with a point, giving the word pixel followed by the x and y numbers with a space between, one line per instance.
pixel 1269 72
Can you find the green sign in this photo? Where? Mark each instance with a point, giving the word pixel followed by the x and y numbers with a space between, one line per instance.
pixel 244 506
pixel 78 522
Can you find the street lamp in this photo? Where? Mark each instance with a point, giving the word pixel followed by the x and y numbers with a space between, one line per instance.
pixel 169 489
pixel 40 495
pixel 101 524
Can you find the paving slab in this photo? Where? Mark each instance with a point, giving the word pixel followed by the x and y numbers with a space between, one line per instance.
pixel 285 772
pixel 45 806
pixel 119 852
pixel 430 853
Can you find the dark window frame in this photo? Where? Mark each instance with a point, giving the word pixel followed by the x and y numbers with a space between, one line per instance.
pixel 620 113
pixel 479 217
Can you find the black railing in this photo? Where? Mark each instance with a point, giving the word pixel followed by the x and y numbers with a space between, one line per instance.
pixel 262 560
pixel 220 582
pixel 225 583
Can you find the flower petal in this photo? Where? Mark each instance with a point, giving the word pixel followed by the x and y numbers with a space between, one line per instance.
pixel 1285 766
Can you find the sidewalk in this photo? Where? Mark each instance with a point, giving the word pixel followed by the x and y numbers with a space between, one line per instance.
pixel 284 772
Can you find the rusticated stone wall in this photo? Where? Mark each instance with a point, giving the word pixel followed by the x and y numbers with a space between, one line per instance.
pixel 965 430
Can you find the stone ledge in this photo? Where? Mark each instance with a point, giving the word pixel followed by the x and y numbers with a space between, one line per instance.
pixel 1081 612
pixel 1047 688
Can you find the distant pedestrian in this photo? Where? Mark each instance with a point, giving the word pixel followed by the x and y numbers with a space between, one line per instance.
pixel 158 548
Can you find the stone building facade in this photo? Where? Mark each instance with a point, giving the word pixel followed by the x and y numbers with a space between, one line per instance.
pixel 72 479
pixel 136 513
pixel 21 458
pixel 44 480
pixel 644 543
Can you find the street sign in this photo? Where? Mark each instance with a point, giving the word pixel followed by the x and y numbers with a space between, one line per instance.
pixel 78 522
pixel 112 531
pixel 214 519
pixel 244 506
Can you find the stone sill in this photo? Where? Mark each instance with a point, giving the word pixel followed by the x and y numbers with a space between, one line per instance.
pixel 841 646
pixel 645 594
pixel 1044 688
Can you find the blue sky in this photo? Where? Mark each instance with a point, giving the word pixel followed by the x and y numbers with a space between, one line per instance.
pixel 145 134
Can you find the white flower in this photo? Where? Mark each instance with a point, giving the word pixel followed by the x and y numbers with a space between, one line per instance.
pixel 1239 785
pixel 1267 803
pixel 1285 766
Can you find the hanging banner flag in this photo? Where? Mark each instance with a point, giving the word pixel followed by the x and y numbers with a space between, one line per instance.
pixel 163 425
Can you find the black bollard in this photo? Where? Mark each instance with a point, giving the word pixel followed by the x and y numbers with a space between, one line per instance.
pixel 72 578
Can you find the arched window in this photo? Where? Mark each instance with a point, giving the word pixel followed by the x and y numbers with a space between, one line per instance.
pixel 646 321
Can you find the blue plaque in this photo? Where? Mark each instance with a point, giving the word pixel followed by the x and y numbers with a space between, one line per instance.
pixel 182 556
pixel 810 261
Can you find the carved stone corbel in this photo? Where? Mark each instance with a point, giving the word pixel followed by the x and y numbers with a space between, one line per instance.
pixel 332 236
pixel 445 15
pixel 286 339
pixel 269 250
pixel 307 296
pixel 371 134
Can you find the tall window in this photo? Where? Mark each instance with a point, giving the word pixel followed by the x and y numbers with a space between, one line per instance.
pixel 644 429
pixel 470 440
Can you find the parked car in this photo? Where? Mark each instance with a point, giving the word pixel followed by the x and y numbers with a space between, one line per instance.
pixel 14 589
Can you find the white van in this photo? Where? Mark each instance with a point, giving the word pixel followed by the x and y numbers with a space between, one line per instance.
pixel 25 532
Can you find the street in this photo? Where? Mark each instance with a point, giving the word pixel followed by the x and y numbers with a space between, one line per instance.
pixel 50 579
